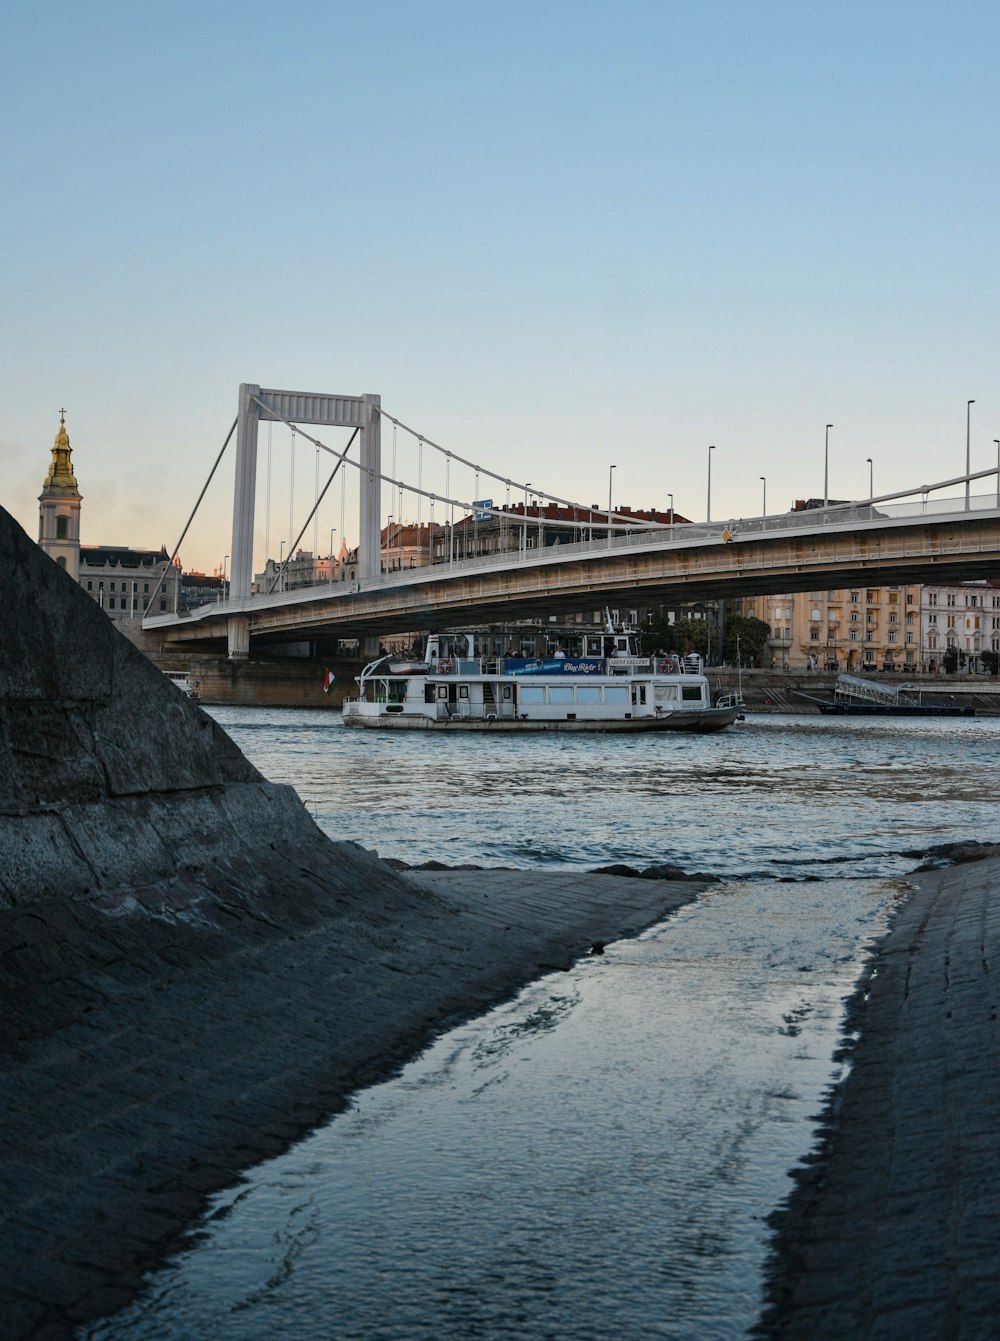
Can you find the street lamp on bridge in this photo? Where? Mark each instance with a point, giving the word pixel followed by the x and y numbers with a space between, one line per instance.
pixel 826 467
pixel 708 505
pixel 997 441
pixel 332 530
pixel 871 479
pixel 968 459
pixel 671 497
pixel 611 471
pixel 763 506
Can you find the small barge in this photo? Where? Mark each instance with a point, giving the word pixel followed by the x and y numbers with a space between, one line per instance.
pixel 856 697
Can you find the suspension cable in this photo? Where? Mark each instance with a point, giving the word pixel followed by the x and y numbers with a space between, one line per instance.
pixel 596 515
pixel 163 575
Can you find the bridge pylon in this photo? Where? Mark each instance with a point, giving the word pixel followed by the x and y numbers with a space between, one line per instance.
pixel 299 407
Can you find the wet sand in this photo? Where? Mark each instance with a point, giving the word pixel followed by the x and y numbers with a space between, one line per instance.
pixel 893 1231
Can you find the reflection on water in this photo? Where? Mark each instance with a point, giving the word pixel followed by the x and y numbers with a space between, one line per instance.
pixel 774 795
pixel 599 1155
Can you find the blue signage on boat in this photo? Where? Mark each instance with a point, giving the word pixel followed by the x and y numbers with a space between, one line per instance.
pixel 553 666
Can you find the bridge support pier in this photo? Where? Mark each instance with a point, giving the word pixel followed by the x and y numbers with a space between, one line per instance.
pixel 239 638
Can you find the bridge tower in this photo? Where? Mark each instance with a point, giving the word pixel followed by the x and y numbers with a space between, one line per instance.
pixel 299 407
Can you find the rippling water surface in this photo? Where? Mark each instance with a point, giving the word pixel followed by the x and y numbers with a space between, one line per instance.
pixel 773 795
pixel 600 1154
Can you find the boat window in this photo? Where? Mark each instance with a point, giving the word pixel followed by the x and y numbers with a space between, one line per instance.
pixel 442 691
pixel 562 693
pixel 463 691
pixel 506 692
pixel 691 693
pixel 616 694
pixel 588 693
pixel 532 693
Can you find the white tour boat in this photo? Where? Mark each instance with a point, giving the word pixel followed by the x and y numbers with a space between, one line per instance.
pixel 586 681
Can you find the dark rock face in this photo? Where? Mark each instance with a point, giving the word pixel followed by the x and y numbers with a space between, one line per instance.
pixel 85 717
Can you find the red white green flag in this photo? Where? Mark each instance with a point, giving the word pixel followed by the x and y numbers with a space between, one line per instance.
pixel 328 679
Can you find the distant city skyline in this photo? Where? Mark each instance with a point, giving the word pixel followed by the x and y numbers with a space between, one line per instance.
pixel 554 238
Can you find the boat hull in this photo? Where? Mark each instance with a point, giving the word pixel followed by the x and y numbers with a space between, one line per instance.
pixel 705 719
pixel 893 710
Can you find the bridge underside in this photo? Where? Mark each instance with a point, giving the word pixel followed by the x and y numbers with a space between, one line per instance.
pixel 961 551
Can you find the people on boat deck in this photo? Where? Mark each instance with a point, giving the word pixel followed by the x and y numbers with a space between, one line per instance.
pixel 560 655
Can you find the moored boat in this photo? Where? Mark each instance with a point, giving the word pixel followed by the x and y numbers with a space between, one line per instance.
pixel 600 684
pixel 184 682
pixel 856 697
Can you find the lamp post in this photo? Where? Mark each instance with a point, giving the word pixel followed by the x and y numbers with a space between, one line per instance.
pixel 671 497
pixel 281 566
pixel 611 475
pixel 388 541
pixel 763 506
pixel 225 563
pixel 871 479
pixel 332 529
pixel 826 467
pixel 524 524
pixel 997 441
pixel 968 459
pixel 708 506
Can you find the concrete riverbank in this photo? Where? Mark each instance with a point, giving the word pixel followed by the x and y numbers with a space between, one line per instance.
pixel 893 1230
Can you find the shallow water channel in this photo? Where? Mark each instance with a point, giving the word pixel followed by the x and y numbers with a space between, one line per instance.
pixel 598 1155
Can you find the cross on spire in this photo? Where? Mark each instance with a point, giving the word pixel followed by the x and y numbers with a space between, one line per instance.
pixel 62 417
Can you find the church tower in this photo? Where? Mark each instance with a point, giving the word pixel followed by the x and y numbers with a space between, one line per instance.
pixel 59 507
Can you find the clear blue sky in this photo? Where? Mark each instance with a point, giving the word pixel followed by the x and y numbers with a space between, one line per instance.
pixel 552 236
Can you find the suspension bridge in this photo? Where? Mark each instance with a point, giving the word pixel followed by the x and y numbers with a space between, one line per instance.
pixel 549 555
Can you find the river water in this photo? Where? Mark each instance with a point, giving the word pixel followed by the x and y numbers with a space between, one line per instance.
pixel 601 1153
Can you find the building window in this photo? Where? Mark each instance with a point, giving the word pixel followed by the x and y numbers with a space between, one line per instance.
pixel 950 598
pixel 61 561
pixel 892 635
pixel 855 616
pixel 854 635
pixel 932 598
pixel 854 597
pixel 62 528
pixel 932 619
pixel 909 637
pixel 892 617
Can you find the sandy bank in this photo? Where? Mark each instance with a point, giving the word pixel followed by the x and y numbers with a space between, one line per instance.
pixel 894 1228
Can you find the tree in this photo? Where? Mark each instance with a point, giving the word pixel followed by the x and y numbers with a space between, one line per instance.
pixel 949 662
pixel 690 635
pixel 750 635
pixel 991 662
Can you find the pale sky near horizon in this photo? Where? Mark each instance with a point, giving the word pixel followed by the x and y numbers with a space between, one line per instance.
pixel 552 236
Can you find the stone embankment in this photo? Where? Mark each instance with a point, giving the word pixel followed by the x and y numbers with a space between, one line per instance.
pixel 893 1230
pixel 193 975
